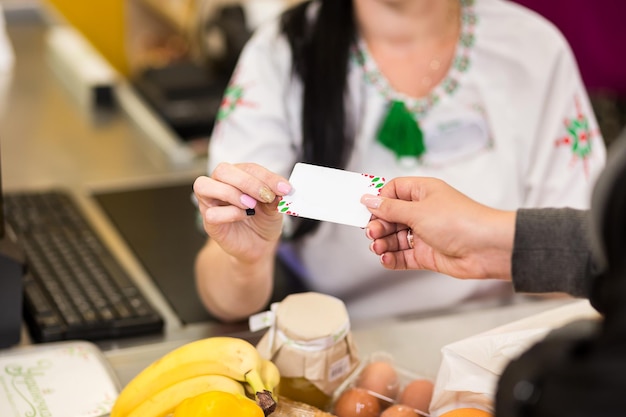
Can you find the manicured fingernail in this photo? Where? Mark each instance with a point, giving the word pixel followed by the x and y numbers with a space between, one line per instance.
pixel 371 201
pixel 367 233
pixel 284 188
pixel 247 201
pixel 266 195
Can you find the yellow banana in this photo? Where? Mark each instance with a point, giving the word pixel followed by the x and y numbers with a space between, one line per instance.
pixel 165 401
pixel 232 357
pixel 270 376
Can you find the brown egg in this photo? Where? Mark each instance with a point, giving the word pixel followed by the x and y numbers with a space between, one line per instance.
pixel 380 377
pixel 399 410
pixel 417 394
pixel 356 402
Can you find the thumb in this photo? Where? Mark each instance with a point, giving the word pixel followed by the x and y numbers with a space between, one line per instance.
pixel 390 209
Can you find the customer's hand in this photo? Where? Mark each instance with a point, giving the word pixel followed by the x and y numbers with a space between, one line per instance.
pixel 223 199
pixel 452 233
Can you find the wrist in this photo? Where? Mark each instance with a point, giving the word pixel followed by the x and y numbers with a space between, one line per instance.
pixel 498 261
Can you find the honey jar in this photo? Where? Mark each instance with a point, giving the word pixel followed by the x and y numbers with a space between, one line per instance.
pixel 310 342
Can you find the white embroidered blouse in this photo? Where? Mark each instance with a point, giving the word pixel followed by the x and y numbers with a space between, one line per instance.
pixel 510 125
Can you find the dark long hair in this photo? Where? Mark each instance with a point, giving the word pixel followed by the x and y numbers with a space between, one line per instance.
pixel 321 51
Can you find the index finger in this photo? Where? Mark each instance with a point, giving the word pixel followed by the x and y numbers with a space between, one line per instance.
pixel 407 188
pixel 399 213
pixel 253 180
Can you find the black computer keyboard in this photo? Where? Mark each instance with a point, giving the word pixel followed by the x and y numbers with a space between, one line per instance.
pixel 74 288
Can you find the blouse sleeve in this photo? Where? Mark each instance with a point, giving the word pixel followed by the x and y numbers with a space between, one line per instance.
pixel 254 123
pixel 569 151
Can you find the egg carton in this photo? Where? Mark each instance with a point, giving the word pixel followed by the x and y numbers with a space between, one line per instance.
pixel 380 378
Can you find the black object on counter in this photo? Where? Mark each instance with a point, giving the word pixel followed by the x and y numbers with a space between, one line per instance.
pixel 187 94
pixel 11 274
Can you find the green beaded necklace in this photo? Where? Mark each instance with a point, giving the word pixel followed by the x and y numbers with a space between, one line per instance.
pixel 400 130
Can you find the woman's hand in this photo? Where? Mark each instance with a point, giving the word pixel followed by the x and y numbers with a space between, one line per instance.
pixel 452 233
pixel 223 199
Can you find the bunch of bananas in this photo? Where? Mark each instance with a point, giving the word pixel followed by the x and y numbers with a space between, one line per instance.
pixel 222 363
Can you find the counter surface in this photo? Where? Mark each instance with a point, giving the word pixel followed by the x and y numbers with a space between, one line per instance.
pixel 49 140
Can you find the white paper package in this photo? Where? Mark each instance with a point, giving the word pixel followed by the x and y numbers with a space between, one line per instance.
pixel 63 379
pixel 470 368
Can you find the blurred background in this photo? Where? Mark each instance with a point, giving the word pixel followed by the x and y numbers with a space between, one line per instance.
pixel 179 53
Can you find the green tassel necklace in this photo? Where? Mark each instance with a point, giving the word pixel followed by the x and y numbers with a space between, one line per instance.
pixel 401 133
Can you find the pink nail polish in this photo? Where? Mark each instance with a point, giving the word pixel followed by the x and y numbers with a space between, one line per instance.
pixel 247 201
pixel 372 202
pixel 284 188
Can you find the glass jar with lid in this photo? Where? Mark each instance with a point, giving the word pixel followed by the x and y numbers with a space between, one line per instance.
pixel 311 344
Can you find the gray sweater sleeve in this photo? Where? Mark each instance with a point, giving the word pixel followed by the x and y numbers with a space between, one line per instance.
pixel 551 251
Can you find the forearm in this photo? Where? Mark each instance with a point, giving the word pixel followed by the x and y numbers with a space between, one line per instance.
pixel 551 252
pixel 230 289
